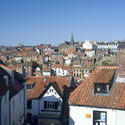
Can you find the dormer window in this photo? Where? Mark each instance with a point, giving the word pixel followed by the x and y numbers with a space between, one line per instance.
pixel 30 86
pixel 103 81
pixel 101 88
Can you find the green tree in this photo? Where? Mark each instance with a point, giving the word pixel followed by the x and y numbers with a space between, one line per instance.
pixel 106 63
pixel 35 64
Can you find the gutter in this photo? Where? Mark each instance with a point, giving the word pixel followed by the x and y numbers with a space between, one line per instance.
pixel 87 106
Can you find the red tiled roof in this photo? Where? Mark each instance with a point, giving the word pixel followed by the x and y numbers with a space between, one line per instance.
pixel 57 66
pixel 5 67
pixel 64 68
pixel 11 66
pixel 41 81
pixel 46 69
pixel 104 75
pixel 83 94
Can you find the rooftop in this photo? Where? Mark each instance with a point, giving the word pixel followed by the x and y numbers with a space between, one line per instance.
pixel 41 81
pixel 83 95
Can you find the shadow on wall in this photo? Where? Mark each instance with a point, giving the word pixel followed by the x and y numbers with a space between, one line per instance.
pixel 65 106
pixel 71 121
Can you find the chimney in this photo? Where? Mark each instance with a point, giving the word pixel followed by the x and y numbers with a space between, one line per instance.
pixel 12 75
pixel 6 80
pixel 44 79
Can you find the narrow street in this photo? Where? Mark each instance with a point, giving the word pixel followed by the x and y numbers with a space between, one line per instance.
pixel 49 121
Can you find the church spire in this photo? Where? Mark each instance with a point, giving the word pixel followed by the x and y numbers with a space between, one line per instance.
pixel 72 40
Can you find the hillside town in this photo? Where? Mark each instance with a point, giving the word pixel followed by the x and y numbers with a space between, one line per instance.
pixel 74 83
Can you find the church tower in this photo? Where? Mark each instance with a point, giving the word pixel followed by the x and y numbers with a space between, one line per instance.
pixel 72 40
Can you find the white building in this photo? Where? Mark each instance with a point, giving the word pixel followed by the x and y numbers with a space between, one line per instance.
pixel 89 45
pixel 99 100
pixel 17 108
pixel 87 115
pixel 68 61
pixel 103 45
pixel 45 95
pixel 113 46
pixel 90 53
pixel 60 70
pixel 4 104
pixel 46 71
pixel 16 98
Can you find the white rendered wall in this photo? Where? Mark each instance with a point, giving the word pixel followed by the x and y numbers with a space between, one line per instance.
pixel 67 61
pixel 38 104
pixel 77 116
pixel 46 73
pixel 5 109
pixel 17 109
pixel 51 97
pixel 101 46
pixel 90 53
pixel 120 117
pixel 87 45
pixel 60 72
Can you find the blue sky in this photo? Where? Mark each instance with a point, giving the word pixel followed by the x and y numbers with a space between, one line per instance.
pixel 32 22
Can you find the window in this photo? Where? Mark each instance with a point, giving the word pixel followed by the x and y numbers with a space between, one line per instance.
pixel 101 88
pixel 51 90
pixel 29 104
pixel 99 118
pixel 51 105
pixel 30 86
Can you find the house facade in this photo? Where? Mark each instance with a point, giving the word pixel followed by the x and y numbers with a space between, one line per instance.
pixel 95 116
pixel 49 103
pixel 44 95
pixel 60 70
pixel 4 104
pixel 113 46
pixel 89 45
pixel 15 98
pixel 102 46
pixel 46 71
pixel 99 99
pixel 77 71
pixel 17 108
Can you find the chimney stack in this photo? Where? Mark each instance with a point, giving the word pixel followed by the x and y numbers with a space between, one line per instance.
pixel 6 80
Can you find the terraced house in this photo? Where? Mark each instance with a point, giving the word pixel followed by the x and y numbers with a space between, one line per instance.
pixel 12 97
pixel 99 100
pixel 45 95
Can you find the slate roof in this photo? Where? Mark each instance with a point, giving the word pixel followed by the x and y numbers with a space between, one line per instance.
pixel 83 95
pixel 15 85
pixel 41 81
